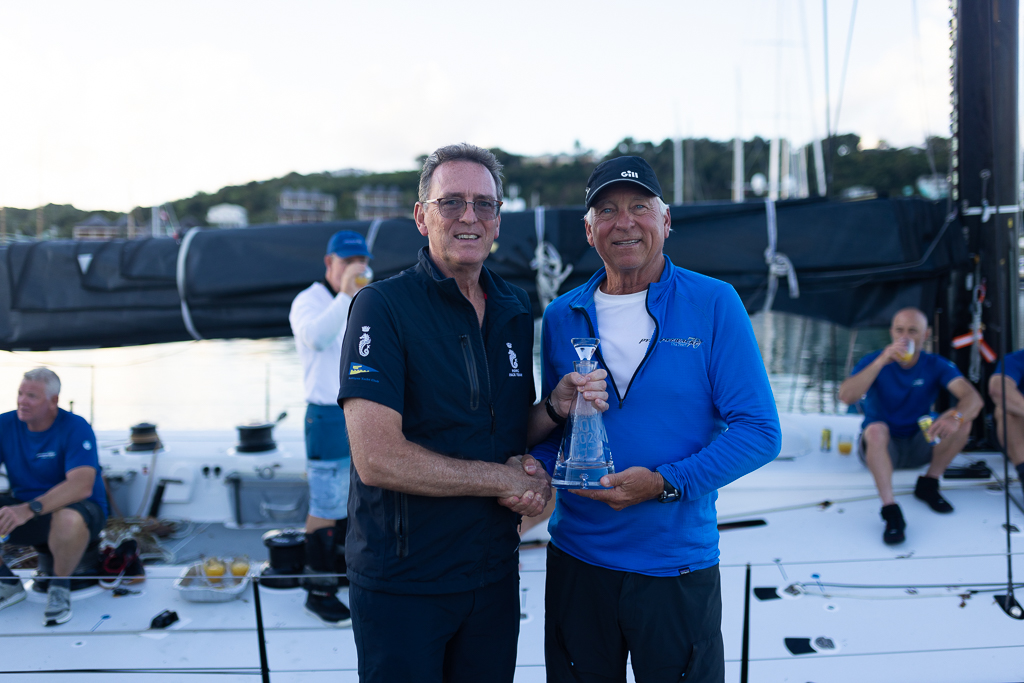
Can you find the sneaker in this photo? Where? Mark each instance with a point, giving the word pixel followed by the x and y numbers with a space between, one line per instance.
pixel 927 489
pixel 58 606
pixel 11 594
pixel 325 606
pixel 894 525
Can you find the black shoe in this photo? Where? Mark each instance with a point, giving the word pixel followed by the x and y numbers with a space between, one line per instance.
pixel 894 524
pixel 927 489
pixel 325 606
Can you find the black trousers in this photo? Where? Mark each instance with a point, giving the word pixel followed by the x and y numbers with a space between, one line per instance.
pixel 670 627
pixel 468 637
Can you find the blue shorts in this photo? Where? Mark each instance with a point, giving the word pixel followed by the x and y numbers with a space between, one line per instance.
pixel 326 435
pixel 328 487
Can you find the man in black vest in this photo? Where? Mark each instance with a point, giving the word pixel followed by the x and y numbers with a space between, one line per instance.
pixel 437 387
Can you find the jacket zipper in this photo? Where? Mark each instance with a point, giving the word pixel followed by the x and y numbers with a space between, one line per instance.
pixel 401 521
pixel 487 370
pixel 474 379
pixel 650 350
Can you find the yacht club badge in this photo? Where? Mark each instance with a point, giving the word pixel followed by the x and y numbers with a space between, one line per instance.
pixel 513 360
pixel 364 342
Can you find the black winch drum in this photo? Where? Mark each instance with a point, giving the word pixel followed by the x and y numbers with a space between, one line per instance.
pixel 287 550
pixel 255 438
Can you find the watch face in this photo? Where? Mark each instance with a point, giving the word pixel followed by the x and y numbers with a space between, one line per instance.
pixel 35 506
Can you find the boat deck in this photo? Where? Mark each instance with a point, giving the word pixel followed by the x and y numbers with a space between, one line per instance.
pixel 855 609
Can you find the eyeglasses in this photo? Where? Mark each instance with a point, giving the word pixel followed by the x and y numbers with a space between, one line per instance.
pixel 453 207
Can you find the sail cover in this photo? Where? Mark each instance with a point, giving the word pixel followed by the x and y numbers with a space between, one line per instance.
pixel 854 263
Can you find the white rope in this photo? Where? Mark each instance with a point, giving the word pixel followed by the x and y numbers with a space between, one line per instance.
pixel 548 263
pixel 371 233
pixel 779 265
pixel 186 315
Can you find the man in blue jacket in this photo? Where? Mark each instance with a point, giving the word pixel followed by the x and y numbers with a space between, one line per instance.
pixel 633 569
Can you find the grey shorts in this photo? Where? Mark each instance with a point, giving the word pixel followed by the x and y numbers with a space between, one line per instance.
pixel 906 452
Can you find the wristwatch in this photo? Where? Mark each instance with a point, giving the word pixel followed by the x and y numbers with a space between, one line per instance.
pixel 669 494
pixel 36 507
pixel 552 413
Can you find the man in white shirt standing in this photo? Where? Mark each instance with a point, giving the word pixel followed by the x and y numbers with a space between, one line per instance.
pixel 318 318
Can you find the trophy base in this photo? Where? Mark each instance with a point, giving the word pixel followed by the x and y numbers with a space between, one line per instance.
pixel 577 477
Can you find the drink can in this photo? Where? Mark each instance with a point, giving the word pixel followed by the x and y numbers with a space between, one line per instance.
pixel 826 440
pixel 925 423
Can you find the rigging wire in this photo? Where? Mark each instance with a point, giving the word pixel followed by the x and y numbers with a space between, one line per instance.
pixel 846 64
pixel 922 99
pixel 1010 601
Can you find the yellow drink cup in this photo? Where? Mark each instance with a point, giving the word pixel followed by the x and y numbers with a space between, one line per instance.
pixel 214 569
pixel 240 566
pixel 909 353
pixel 365 278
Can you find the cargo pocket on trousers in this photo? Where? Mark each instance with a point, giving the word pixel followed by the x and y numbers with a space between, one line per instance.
pixel 707 661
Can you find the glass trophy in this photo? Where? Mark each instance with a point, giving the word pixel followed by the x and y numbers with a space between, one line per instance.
pixel 584 456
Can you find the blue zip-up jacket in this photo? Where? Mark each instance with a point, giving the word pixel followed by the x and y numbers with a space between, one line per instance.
pixel 699 410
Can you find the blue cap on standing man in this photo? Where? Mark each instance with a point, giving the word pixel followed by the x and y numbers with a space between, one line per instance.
pixel 347 243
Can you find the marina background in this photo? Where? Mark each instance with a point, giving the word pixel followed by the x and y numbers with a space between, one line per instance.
pixel 218 384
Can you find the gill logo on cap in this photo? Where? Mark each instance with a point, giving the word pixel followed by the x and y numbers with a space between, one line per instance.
pixel 630 174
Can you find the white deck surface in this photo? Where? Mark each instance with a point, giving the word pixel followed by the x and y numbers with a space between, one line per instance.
pixel 899 618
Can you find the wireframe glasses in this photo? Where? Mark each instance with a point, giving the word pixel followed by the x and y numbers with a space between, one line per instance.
pixel 454 207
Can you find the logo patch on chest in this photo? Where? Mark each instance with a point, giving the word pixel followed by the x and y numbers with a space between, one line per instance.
pixel 691 342
pixel 513 360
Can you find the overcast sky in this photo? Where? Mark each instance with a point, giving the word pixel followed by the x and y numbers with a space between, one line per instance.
pixel 110 105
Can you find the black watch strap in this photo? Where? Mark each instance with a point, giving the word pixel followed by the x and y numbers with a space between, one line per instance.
pixel 552 413
pixel 669 494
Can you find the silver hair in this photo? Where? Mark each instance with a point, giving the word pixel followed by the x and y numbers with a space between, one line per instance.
pixel 47 377
pixel 460 152
pixel 662 206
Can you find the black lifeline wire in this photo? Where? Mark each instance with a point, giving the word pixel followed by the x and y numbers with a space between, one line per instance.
pixel 745 656
pixel 264 667
pixel 1009 602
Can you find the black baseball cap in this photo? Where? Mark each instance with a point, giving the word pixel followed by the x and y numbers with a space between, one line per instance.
pixel 622 170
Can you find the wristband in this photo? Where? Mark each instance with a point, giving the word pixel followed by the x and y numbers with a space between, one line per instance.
pixel 552 413
pixel 958 416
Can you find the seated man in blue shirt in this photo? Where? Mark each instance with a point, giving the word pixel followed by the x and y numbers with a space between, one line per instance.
pixel 1014 408
pixel 58 497
pixel 899 384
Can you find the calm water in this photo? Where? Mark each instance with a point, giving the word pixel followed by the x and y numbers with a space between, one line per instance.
pixel 222 383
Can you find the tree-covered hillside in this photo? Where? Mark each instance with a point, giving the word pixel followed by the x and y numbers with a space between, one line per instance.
pixel 558 180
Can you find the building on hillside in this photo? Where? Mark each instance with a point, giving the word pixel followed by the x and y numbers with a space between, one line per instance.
pixel 379 202
pixel 305 206
pixel 95 228
pixel 227 216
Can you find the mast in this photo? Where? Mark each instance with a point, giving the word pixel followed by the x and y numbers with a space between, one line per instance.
pixel 984 172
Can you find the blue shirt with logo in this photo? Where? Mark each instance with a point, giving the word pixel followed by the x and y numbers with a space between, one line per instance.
pixel 899 396
pixel 38 461
pixel 1014 367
